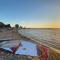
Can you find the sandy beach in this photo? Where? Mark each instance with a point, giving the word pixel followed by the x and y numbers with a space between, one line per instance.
pixel 9 35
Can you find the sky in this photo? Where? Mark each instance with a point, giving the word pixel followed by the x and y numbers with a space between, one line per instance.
pixel 31 13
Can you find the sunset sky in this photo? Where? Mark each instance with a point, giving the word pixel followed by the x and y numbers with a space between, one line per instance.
pixel 31 13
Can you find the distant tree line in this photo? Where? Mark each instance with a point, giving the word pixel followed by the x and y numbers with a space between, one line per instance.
pixel 2 25
pixel 18 27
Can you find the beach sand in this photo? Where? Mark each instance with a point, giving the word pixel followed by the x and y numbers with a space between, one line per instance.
pixel 9 35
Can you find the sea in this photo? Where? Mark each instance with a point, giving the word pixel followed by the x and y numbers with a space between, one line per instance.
pixel 48 36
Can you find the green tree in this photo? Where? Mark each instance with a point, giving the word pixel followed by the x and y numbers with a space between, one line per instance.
pixel 8 25
pixel 21 27
pixel 17 26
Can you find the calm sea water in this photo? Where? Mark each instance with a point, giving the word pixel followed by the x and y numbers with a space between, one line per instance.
pixel 51 37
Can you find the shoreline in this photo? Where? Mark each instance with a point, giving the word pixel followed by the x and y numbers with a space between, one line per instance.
pixel 19 36
pixel 52 51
